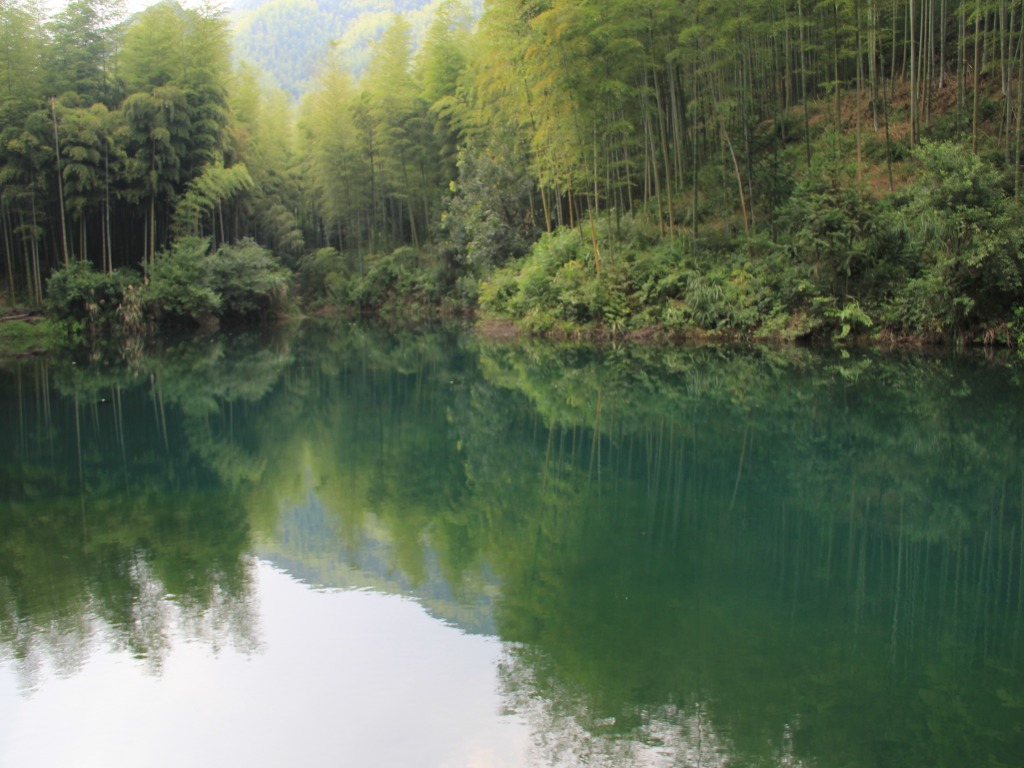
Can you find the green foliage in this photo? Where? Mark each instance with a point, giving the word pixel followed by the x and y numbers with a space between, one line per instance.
pixel 402 285
pixel 489 217
pixel 841 321
pixel 318 273
pixel 208 193
pixel 181 281
pixel 829 221
pixel 775 204
pixel 249 280
pixel 87 300
pixel 642 285
pixel 966 232
pixel 187 282
pixel 23 337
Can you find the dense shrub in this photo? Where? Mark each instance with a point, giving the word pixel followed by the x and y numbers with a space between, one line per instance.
pixel 180 281
pixel 318 275
pixel 490 218
pixel 86 299
pixel 243 280
pixel 249 280
pixel 403 282
pixel 965 231
pixel 828 222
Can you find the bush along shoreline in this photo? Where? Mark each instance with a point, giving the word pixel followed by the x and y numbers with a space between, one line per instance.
pixel 937 260
pixel 843 257
pixel 189 285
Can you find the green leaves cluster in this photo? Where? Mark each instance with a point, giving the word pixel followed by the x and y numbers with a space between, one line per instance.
pixel 188 282
pixel 966 231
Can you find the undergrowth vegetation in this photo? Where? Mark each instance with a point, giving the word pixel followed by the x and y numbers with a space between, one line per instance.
pixel 188 285
pixel 940 258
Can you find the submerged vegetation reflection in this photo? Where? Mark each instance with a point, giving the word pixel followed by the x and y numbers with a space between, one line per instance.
pixel 694 555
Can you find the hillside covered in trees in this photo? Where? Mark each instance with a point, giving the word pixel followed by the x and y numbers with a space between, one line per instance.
pixel 287 38
pixel 757 168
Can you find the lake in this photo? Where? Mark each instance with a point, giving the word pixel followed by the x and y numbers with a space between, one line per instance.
pixel 342 547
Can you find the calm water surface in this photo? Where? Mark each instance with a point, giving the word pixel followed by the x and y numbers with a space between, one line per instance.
pixel 338 548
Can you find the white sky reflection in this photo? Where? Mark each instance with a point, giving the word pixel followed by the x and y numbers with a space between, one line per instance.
pixel 341 679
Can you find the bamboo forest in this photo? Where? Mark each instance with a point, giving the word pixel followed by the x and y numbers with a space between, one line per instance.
pixel 760 169
pixel 512 384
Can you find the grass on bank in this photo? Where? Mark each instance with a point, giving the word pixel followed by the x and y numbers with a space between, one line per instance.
pixel 29 336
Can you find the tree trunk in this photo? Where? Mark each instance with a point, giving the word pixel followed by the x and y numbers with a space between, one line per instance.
pixel 977 67
pixel 60 183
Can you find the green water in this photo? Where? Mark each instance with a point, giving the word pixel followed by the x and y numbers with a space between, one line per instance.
pixel 342 548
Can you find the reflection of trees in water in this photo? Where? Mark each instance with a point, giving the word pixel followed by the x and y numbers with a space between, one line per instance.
pixel 144 621
pixel 567 731
pixel 852 534
pixel 116 532
pixel 700 553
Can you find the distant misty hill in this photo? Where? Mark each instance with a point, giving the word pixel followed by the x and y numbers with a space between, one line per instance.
pixel 287 38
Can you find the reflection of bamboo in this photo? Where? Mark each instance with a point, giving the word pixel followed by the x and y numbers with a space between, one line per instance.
pixel 1004 551
pixel 739 470
pixel 956 587
pixel 896 600
pixel 979 595
pixel 830 534
pixel 78 443
pixel 1020 558
pixel 81 473
pixel 679 489
pixel 654 454
pixel 44 390
pixel 669 486
pixel 1020 574
pixel 782 554
pixel 21 411
pixel 119 425
pixel 850 535
pixel 152 390
pixel 999 553
pixel 595 444
pixel 862 566
pixel 547 452
pixel 158 408
pixel 925 579
pixel 797 562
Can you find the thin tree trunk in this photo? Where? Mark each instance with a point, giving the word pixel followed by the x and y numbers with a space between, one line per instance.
pixel 651 151
pixel 60 183
pixel 739 183
pixel 34 245
pixel 911 5
pixel 1016 164
pixel 666 158
pixel 108 252
pixel 8 252
pixel 977 67
pixel 803 80
pixel 872 62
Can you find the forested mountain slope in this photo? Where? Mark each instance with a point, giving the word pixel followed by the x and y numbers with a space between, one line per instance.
pixel 286 38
